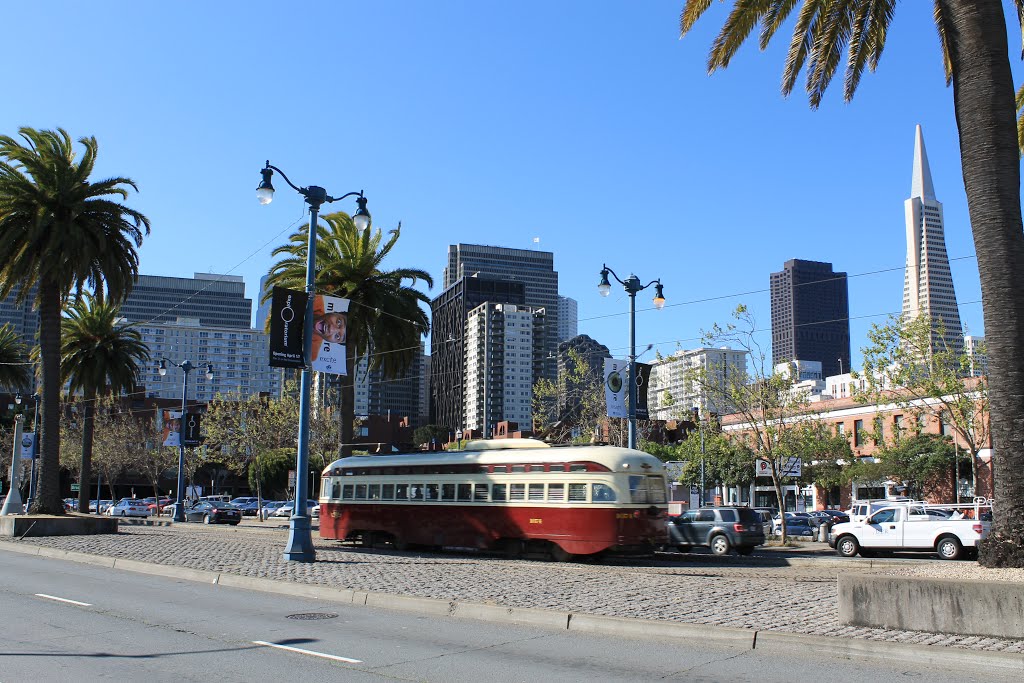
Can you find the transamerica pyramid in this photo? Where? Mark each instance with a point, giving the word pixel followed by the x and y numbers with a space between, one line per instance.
pixel 927 282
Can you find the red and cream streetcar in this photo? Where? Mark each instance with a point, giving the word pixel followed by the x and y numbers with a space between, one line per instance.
pixel 514 495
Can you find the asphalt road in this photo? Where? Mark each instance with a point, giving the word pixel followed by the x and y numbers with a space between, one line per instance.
pixel 74 622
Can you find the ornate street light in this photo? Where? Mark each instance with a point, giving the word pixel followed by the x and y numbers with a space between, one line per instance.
pixel 179 493
pixel 632 286
pixel 300 539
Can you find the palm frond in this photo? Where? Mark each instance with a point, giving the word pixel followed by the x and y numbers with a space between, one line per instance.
pixel 745 16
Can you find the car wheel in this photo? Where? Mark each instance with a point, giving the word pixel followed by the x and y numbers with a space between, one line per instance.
pixel 847 546
pixel 207 519
pixel 720 545
pixel 949 548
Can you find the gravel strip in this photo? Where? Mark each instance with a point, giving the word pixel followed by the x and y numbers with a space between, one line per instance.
pixel 722 593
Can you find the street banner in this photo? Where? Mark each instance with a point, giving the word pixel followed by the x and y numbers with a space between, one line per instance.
pixel 28 441
pixel 791 468
pixel 287 318
pixel 330 330
pixel 643 380
pixel 190 435
pixel 615 387
pixel 172 428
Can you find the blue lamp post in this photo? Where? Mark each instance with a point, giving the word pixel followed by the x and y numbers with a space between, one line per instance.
pixel 300 539
pixel 179 493
pixel 632 286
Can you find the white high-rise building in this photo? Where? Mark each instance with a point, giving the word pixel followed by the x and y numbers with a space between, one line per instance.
pixel 568 318
pixel 504 346
pixel 240 359
pixel 974 348
pixel 673 395
pixel 928 283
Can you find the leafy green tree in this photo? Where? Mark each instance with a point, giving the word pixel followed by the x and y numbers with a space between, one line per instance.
pixel 571 409
pixel 975 54
pixel 98 357
pixel 427 433
pixel 61 231
pixel 907 362
pixel 14 365
pixel 385 320
pixel 272 474
pixel 111 455
pixel 915 462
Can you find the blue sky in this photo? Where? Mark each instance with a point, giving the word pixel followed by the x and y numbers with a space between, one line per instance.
pixel 589 125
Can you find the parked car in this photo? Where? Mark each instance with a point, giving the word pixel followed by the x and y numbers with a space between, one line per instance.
pixel 817 517
pixel 248 507
pixel 286 509
pixel 766 515
pixel 722 529
pixel 101 505
pixel 128 507
pixel 153 504
pixel 214 512
pixel 797 524
pixel 269 506
pixel 909 527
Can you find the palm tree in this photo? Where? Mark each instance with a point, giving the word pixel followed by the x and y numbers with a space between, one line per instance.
pixel 13 359
pixel 98 356
pixel 975 53
pixel 385 321
pixel 62 232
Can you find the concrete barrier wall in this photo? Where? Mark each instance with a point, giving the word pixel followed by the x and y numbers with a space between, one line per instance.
pixel 67 525
pixel 983 608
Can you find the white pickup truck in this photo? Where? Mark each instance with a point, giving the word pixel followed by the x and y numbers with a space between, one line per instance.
pixel 910 527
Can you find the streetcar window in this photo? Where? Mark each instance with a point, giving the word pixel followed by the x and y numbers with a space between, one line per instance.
pixel 401 491
pixel 374 491
pixel 602 493
pixel 387 491
pixel 537 468
pixel 336 490
pixel 501 468
pixel 518 468
pixel 447 491
pixel 360 491
pixel 577 467
pixel 465 491
pixel 536 491
pixel 517 492
pixel 556 492
pixel 656 489
pixel 349 473
pixel 638 489
pixel 416 492
pixel 577 493
pixel 346 493
pixel 431 492
pixel 498 491
pixel 557 467
pixel 480 493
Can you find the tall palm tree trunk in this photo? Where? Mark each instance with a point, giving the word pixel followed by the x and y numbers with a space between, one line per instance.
pixel 983 98
pixel 47 501
pixel 85 467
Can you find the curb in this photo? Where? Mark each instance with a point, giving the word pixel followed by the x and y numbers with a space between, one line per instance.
pixel 782 642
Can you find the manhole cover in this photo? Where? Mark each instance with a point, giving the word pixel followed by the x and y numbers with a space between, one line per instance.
pixel 312 616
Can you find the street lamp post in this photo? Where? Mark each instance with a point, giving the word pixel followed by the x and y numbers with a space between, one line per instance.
pixel 300 540
pixel 179 493
pixel 632 286
pixel 700 427
pixel 35 447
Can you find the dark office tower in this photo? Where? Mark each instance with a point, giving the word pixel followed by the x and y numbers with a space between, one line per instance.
pixel 535 269
pixel 589 352
pixel 448 327
pixel 216 300
pixel 810 316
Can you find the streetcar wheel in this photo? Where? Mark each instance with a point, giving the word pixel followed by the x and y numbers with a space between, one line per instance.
pixel 512 548
pixel 366 539
pixel 400 544
pixel 720 545
pixel 559 554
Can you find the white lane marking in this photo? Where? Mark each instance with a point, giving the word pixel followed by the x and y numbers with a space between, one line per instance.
pixel 70 602
pixel 308 652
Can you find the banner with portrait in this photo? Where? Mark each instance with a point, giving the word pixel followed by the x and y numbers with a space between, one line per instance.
pixel 615 387
pixel 330 332
pixel 172 428
pixel 287 318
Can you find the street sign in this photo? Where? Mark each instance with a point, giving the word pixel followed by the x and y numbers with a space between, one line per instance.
pixel 75 488
pixel 792 468
pixel 291 479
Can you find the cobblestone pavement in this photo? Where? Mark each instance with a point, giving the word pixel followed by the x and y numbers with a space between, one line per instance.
pixel 717 591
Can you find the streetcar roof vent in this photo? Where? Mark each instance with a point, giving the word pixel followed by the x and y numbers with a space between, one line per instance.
pixel 503 444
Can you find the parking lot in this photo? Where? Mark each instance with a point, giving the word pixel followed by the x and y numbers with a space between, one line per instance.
pixel 791 590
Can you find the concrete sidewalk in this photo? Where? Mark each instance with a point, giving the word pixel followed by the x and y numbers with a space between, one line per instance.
pixel 782 594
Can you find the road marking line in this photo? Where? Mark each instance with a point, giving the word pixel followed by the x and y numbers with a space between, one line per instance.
pixel 70 602
pixel 308 652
